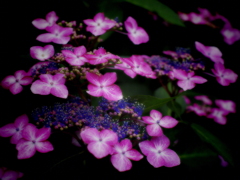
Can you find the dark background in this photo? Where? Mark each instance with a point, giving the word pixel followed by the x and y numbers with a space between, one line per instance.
pixel 18 35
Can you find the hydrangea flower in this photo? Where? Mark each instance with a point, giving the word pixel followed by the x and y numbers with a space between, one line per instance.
pixel 204 99
pixel 230 34
pixel 199 110
pixel 33 140
pixel 155 121
pixel 122 152
pixel 50 84
pixel 14 82
pixel 224 76
pixel 99 24
pixel 7 174
pixel 15 129
pixel 218 115
pixel 42 53
pixel 103 86
pixel 51 19
pixel 227 105
pixel 135 33
pixel 157 152
pixel 56 34
pixel 99 143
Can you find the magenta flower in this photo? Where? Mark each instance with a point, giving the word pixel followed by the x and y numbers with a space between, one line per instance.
pixel 187 80
pixel 218 115
pixel 99 24
pixel 157 153
pixel 226 105
pixel 136 34
pixel 6 174
pixel 126 66
pixel 224 76
pixel 33 140
pixel 204 99
pixel 211 52
pixel 155 121
pixel 57 34
pixel 103 86
pixel 14 82
pixel 50 84
pixel 122 152
pixel 197 18
pixel 15 129
pixel 51 19
pixel 99 143
pixel 42 53
pixel 230 34
pixel 100 56
pixel 183 16
pixel 199 110
pixel 75 58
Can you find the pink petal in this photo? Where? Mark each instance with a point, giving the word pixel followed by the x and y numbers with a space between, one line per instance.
pixel 149 120
pixel 8 81
pixel 130 73
pixel 109 137
pixel 155 159
pixel 29 132
pixel 94 90
pixel 26 149
pixel 16 137
pixel 21 121
pixel 112 93
pixel 43 134
pixel 89 22
pixel 61 40
pixel 79 51
pixel 9 175
pixel 147 147
pixel 186 84
pixel 59 78
pixel 168 122
pixel 93 78
pixel 161 143
pixel 40 23
pixel 46 37
pixel 51 17
pixel 99 149
pixel 198 79
pixel 44 147
pixel 90 135
pixel 20 74
pixel 7 130
pixel 170 157
pixel 133 155
pixel 39 87
pixel 130 24
pixel 96 31
pixel 108 79
pixel 156 115
pixel 26 80
pixel 15 88
pixel 59 90
pixel 180 74
pixel 154 130
pixel 120 162
pixel 42 53
pixel 139 36
pixel 99 17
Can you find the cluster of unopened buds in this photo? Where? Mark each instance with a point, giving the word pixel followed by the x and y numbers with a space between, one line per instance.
pixel 117 122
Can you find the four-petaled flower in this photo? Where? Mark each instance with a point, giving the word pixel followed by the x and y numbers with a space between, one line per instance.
pixel 218 115
pixel 99 143
pixel 99 24
pixel 226 105
pixel 50 84
pixel 155 121
pixel 103 86
pixel 135 33
pixel 42 53
pixel 51 19
pixel 157 152
pixel 33 140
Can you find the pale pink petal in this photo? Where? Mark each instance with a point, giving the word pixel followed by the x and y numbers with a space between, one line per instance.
pixel 59 90
pixel 130 73
pixel 161 143
pixel 43 134
pixel 79 51
pixel 156 115
pixel 108 79
pixel 61 40
pixel 46 37
pixel 154 130
pixel 40 23
pixel 10 175
pixel 125 145
pixel 29 132
pixel 39 87
pixel 51 17
pixel 120 162
pixel 168 122
pixel 147 147
pixel 112 93
pixel 26 149
pixel 26 80
pixel 170 157
pixel 94 90
pixel 42 53
pixel 8 81
pixel 89 22
pixel 138 36
pixel 99 17
pixel 95 30
pixel 7 130
pixel 109 137
pixel 198 79
pixel 47 78
pixel 99 149
pixel 15 88
pixel 133 155
pixel 93 78
pixel 44 147
pixel 204 99
pixel 59 78
pixel 130 24
pixel 149 120
pixel 20 74
pixel 155 159
pixel 230 75
pixel 180 74
pixel 226 105
pixel 186 84
pixel 90 135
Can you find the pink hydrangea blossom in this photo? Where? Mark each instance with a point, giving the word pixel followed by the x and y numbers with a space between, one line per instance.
pixel 15 129
pixel 199 110
pixel 157 152
pixel 135 33
pixel 100 56
pixel 122 152
pixel 155 121
pixel 227 105
pixel 224 76
pixel 51 19
pixel 56 34
pixel 50 84
pixel 197 18
pixel 204 99
pixel 99 24
pixel 218 115
pixel 187 80
pixel 103 86
pixel 14 82
pixel 42 53
pixel 99 143
pixel 7 174
pixel 211 52
pixel 183 16
pixel 230 35
pixel 33 140
pixel 75 57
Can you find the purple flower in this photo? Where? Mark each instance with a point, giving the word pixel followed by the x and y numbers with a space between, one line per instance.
pixel 51 19
pixel 15 129
pixel 103 86
pixel 57 34
pixel 99 24
pixel 14 83
pixel 155 121
pixel 33 140
pixel 227 105
pixel 99 143
pixel 50 84
pixel 157 152
pixel 135 33
pixel 122 152
pixel 42 53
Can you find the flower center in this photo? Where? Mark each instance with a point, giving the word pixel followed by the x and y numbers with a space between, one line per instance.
pixel 17 129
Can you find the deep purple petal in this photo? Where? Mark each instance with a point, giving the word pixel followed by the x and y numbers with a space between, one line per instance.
pixel 7 130
pixel 21 121
pixel 26 80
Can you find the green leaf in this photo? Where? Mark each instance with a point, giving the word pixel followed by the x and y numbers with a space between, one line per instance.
pixel 162 10
pixel 208 137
